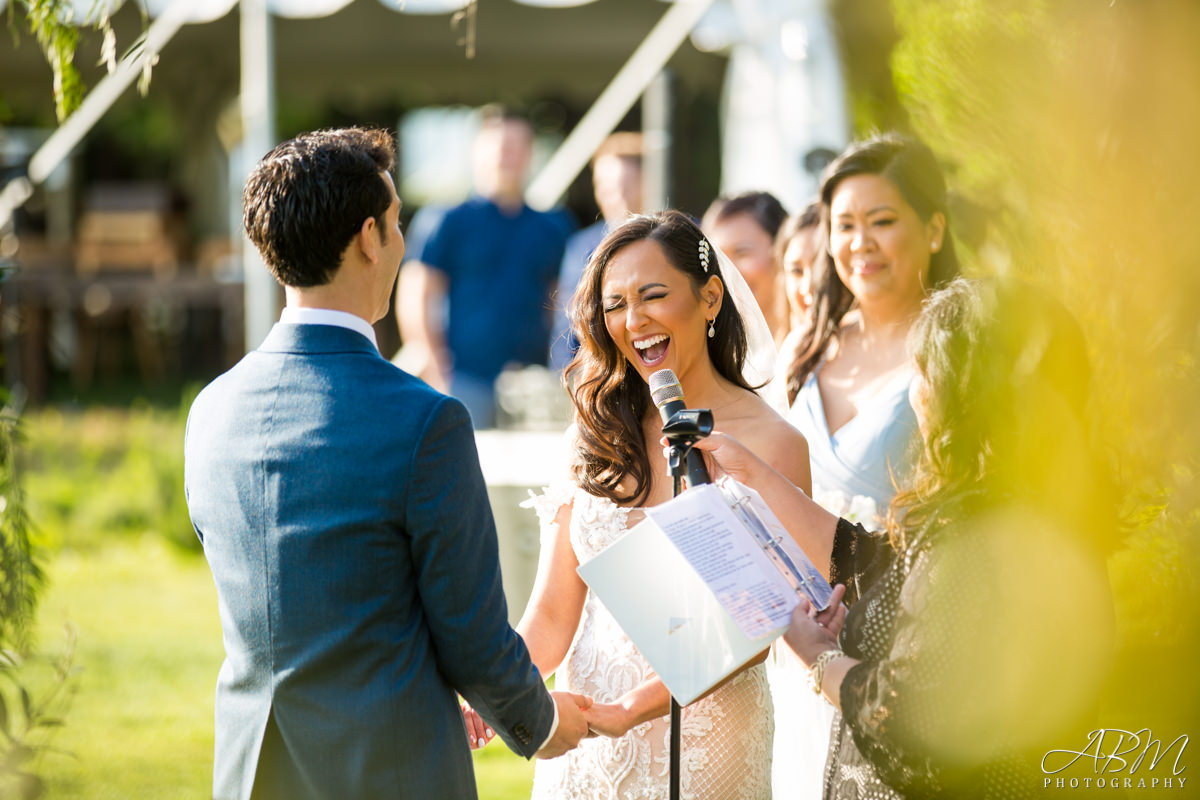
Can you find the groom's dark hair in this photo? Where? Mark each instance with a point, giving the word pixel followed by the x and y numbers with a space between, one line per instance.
pixel 309 196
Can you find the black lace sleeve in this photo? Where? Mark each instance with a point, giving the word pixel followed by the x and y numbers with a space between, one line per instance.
pixel 859 559
pixel 976 649
pixel 886 698
pixel 914 706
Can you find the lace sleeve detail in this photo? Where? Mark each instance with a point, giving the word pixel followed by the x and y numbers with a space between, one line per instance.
pixel 859 558
pixel 886 701
pixel 908 709
pixel 547 504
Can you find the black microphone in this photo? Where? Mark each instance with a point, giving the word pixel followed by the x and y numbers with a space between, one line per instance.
pixel 681 425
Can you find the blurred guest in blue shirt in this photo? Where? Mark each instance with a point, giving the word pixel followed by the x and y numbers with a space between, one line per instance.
pixel 477 298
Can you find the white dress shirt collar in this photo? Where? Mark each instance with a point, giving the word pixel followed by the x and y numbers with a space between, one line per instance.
pixel 327 316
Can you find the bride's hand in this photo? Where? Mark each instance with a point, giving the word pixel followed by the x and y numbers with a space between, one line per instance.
pixel 479 732
pixel 608 719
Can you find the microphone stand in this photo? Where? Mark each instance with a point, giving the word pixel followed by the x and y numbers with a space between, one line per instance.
pixel 682 430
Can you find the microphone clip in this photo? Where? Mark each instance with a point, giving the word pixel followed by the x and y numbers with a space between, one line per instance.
pixel 683 429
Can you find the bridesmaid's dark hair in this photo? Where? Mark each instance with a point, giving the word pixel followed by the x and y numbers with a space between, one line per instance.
pixel 611 400
pixel 911 167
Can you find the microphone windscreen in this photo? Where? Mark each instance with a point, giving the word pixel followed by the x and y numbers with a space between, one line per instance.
pixel 665 388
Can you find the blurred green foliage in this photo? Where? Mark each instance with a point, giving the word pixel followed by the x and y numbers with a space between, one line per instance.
pixel 58 26
pixel 1059 122
pixel 50 23
pixel 28 713
pixel 150 133
pixel 866 38
pixel 102 474
pixel 20 574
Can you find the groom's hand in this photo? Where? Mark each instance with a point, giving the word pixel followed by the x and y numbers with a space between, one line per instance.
pixel 572 724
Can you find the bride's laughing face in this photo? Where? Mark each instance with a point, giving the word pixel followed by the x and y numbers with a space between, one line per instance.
pixel 653 313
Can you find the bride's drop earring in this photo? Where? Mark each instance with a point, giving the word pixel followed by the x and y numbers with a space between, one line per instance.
pixel 712 330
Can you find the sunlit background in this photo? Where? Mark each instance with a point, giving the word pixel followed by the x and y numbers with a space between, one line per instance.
pixel 1067 129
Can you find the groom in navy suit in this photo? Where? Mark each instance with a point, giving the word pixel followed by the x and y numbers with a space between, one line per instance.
pixel 346 522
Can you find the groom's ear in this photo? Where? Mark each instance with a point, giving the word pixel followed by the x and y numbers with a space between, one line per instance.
pixel 366 240
pixel 712 294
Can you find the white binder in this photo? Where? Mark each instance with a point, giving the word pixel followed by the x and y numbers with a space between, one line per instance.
pixel 704 584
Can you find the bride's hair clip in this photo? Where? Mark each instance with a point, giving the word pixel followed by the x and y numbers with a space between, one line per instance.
pixel 704 253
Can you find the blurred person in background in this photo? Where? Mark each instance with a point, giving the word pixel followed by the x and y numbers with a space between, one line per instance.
pixel 980 628
pixel 476 297
pixel 744 228
pixel 617 183
pixel 884 217
pixel 797 247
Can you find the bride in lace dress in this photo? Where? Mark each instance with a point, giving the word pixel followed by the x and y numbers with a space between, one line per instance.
pixel 654 296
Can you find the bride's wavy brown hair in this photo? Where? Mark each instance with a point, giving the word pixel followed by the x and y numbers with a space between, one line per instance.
pixel 611 400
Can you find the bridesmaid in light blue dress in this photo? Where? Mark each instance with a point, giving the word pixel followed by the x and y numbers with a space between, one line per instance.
pixel 858 465
pixel 849 379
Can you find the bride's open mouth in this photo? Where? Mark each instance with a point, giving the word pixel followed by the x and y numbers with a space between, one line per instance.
pixel 652 350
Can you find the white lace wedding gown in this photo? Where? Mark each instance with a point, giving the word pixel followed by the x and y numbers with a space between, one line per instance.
pixel 726 736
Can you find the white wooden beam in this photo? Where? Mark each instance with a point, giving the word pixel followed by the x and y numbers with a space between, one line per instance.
pixel 257 102
pixel 614 102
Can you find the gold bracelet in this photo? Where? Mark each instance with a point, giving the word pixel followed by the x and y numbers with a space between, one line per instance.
pixel 816 673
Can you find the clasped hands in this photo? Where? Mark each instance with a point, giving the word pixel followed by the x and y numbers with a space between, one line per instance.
pixel 578 717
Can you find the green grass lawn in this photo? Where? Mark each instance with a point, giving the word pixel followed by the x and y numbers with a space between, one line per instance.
pixel 147 651
pixel 148 641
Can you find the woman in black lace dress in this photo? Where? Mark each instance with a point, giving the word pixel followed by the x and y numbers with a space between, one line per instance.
pixel 979 624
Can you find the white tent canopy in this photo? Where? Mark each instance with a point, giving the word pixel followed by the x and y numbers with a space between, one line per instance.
pixel 209 10
pixel 783 97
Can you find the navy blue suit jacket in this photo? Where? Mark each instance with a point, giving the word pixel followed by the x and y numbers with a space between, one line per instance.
pixel 347 525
